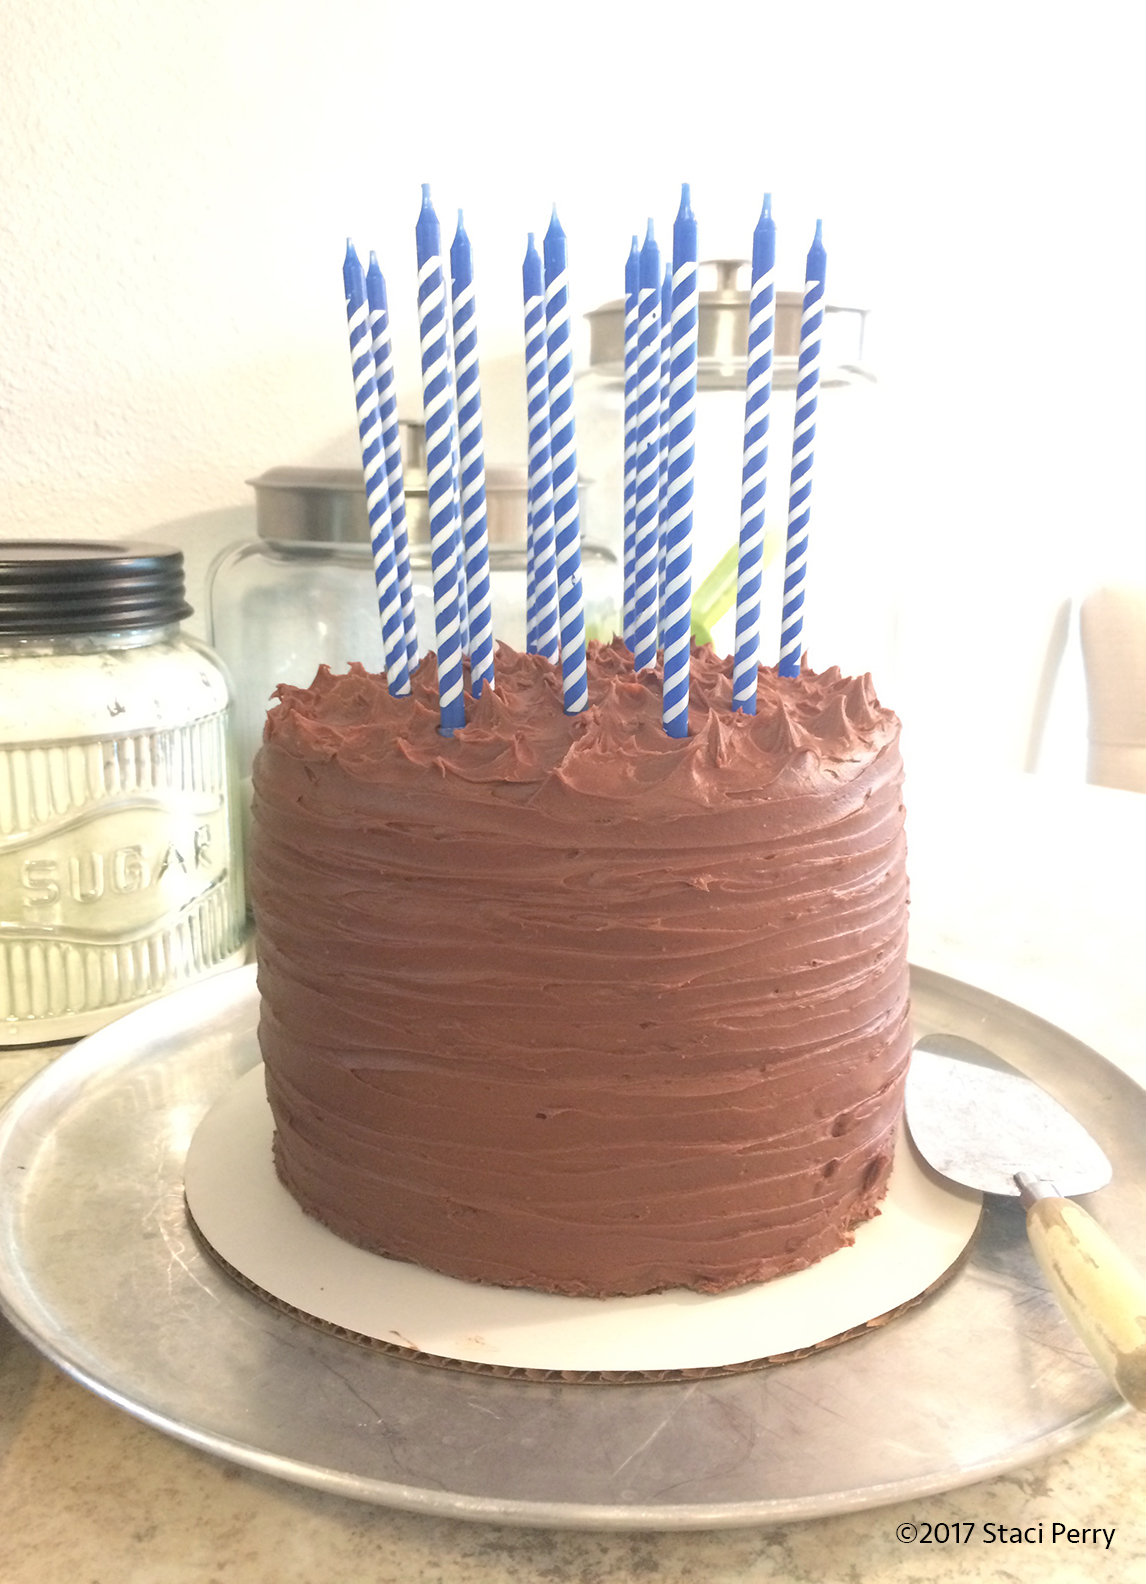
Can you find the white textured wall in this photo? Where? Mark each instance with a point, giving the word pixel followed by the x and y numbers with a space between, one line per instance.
pixel 178 182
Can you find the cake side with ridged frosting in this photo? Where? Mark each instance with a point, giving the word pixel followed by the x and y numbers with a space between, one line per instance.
pixel 564 1002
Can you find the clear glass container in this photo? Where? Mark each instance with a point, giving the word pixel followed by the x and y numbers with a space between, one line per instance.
pixel 279 610
pixel 841 553
pixel 282 605
pixel 120 865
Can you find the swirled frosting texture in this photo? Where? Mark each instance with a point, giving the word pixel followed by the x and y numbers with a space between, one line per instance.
pixel 567 1003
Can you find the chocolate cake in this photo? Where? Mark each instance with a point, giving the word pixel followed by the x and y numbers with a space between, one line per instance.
pixel 563 1002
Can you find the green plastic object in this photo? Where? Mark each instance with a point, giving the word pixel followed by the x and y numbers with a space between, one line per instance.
pixel 717 594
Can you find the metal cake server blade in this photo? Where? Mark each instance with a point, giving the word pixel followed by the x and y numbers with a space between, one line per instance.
pixel 979 1122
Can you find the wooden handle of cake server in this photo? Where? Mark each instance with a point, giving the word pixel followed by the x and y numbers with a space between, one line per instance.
pixel 1102 1294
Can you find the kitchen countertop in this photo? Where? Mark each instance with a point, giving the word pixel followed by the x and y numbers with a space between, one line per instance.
pixel 1033 891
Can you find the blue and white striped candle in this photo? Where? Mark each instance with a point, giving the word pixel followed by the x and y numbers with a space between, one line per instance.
pixel 455 465
pixel 530 560
pixel 479 611
pixel 392 448
pixel 530 557
pixel 632 293
pixel 530 577
pixel 803 440
pixel 662 480
pixel 542 615
pixel 438 406
pixel 682 422
pixel 374 473
pixel 646 559
pixel 754 478
pixel 563 443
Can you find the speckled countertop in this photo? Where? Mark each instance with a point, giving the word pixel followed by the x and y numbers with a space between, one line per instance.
pixel 1034 892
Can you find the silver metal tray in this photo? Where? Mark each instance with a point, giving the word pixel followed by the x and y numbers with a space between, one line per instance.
pixel 98 1268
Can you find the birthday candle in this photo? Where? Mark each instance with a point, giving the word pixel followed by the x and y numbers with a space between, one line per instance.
pixel 456 472
pixel 479 613
pixel 374 473
pixel 530 577
pixel 682 421
pixel 530 557
pixel 392 448
pixel 567 525
pixel 662 477
pixel 758 396
pixel 646 560
pixel 803 439
pixel 543 615
pixel 632 292
pixel 437 402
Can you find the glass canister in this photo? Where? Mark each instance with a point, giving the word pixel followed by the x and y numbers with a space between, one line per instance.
pixel 120 873
pixel 302 594
pixel 299 596
pixel 722 332
pixel 507 490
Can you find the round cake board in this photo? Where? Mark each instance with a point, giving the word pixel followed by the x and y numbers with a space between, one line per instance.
pixel 256 1229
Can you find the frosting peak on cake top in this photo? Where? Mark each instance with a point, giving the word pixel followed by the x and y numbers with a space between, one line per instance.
pixel 519 744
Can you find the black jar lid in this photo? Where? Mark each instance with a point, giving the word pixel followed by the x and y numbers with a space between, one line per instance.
pixel 53 586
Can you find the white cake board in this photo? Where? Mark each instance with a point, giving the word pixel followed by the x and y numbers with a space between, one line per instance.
pixel 250 1220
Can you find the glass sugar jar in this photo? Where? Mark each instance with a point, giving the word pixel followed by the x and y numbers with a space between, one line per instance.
pixel 120 874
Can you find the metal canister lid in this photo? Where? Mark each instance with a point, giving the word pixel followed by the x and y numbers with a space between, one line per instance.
pixel 315 505
pixel 722 334
pixel 312 505
pixel 506 506
pixel 57 586
pixel 327 505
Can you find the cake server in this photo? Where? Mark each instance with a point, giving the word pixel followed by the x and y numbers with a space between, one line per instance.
pixel 978 1121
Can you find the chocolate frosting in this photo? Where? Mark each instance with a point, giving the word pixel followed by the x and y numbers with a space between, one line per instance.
pixel 564 1002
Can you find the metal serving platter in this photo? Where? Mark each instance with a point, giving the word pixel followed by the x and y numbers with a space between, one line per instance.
pixel 99 1269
